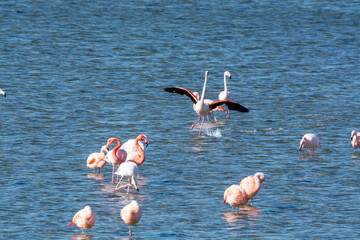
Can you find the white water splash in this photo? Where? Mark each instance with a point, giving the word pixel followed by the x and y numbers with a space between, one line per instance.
pixel 213 132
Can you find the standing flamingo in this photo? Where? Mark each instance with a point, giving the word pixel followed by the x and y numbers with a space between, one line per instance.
pixel 252 184
pixel 131 214
pixel 129 170
pixel 310 141
pixel 2 93
pixel 226 95
pixel 355 136
pixel 236 196
pixel 97 160
pixel 84 219
pixel 201 107
pixel 135 150
pixel 116 155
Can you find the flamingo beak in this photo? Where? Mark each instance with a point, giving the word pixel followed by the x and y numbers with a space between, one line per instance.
pixel 71 224
pixel 146 142
pixel 230 77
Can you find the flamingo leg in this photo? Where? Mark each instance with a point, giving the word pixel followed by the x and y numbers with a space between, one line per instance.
pixel 112 178
pixel 232 209
pixel 251 202
pixel 192 126
pixel 202 122
pixel 310 151
pixel 214 117
pixel 227 112
pixel 130 230
pixel 82 231
pixel 117 187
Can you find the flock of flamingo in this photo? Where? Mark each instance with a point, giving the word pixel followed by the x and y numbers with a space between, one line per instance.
pixel 129 156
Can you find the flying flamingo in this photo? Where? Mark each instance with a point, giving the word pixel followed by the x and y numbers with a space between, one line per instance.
pixel 130 171
pixel 201 107
pixel 116 155
pixel 131 214
pixel 252 184
pixel 235 196
pixel 310 141
pixel 226 95
pixel 208 101
pixel 2 93
pixel 84 219
pixel 97 160
pixel 355 136
pixel 135 150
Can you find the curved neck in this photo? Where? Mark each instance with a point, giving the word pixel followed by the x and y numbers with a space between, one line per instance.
pixel 225 85
pixel 203 91
pixel 116 148
pixel 141 151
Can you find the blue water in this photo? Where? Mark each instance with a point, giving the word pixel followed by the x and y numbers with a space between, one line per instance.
pixel 79 72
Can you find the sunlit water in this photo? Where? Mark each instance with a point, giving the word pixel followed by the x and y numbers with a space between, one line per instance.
pixel 79 72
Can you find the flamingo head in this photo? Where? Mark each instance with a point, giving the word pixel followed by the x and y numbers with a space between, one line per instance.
pixel 260 175
pixel 134 183
pixel 206 73
pixel 227 74
pixel 353 134
pixel 110 141
pixel 197 95
pixel 144 138
pixel 303 142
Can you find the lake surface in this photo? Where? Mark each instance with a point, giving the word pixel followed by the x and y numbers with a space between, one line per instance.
pixel 79 72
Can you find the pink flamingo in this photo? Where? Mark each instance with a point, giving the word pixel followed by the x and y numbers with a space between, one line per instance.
pixel 201 107
pixel 226 95
pixel 135 150
pixel 310 141
pixel 252 184
pixel 97 160
pixel 131 214
pixel 355 139
pixel 235 196
pixel 84 219
pixel 116 156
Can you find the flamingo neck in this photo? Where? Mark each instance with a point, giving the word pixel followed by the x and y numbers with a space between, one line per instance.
pixel 116 148
pixel 141 151
pixel 225 85
pixel 203 91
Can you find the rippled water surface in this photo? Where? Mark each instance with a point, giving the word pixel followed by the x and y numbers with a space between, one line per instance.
pixel 79 72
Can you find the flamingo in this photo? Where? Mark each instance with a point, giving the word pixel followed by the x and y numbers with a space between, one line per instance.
pixel 226 95
pixel 97 160
pixel 310 141
pixel 130 171
pixel 3 93
pixel 236 196
pixel 355 139
pixel 201 107
pixel 208 101
pixel 252 184
pixel 116 155
pixel 131 214
pixel 84 219
pixel 135 150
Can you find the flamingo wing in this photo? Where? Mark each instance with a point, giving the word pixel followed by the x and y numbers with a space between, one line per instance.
pixel 231 105
pixel 182 91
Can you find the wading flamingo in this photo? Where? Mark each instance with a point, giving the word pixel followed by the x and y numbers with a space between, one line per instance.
pixel 203 109
pixel 129 170
pixel 355 136
pixel 135 150
pixel 226 95
pixel 84 219
pixel 2 93
pixel 208 101
pixel 131 214
pixel 310 141
pixel 235 196
pixel 97 160
pixel 252 184
pixel 116 156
